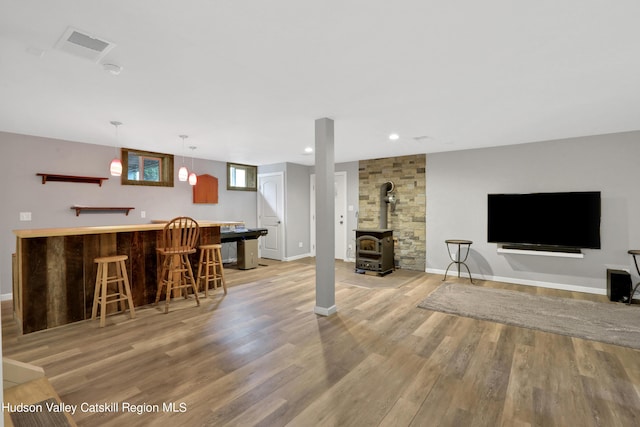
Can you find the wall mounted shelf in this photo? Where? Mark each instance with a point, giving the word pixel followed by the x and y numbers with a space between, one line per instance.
pixel 80 209
pixel 71 178
pixel 540 253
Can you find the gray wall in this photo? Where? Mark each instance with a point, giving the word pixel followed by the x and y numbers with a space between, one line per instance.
pixel 22 191
pixel 458 184
pixel 297 210
pixel 297 204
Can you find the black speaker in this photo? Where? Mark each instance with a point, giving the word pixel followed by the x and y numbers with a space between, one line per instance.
pixel 618 285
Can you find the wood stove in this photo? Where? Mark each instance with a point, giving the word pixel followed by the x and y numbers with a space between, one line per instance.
pixel 374 250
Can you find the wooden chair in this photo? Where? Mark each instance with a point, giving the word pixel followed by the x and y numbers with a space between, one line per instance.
pixel 102 295
pixel 179 239
pixel 210 268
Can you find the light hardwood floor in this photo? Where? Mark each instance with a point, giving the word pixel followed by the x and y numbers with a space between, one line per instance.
pixel 259 356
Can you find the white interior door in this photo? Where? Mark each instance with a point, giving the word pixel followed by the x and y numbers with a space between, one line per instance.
pixel 340 218
pixel 271 215
pixel 340 192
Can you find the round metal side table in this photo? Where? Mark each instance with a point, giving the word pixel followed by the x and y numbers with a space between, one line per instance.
pixel 457 260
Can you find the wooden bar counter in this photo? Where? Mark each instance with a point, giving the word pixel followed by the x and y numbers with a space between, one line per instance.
pixel 54 272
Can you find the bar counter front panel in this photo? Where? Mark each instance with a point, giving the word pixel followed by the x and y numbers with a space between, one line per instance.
pixel 56 273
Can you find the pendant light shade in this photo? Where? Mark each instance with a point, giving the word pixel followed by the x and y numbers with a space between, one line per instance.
pixel 193 178
pixel 183 173
pixel 116 164
pixel 116 167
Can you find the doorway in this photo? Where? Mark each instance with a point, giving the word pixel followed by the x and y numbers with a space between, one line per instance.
pixel 340 218
pixel 271 214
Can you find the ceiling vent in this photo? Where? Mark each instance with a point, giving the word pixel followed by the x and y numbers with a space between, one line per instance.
pixel 84 45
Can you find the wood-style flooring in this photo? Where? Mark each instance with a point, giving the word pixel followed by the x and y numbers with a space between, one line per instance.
pixel 260 356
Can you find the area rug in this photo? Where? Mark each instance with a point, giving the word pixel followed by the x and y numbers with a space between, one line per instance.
pixel 612 323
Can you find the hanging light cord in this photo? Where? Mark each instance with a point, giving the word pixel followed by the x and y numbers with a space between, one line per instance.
pixel 115 145
pixel 183 137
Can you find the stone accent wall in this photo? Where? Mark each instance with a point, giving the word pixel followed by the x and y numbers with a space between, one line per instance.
pixel 408 221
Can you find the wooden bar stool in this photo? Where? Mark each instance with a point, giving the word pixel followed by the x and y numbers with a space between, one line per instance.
pixel 102 295
pixel 179 239
pixel 210 268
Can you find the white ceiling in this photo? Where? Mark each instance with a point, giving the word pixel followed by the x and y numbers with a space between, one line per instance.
pixel 247 79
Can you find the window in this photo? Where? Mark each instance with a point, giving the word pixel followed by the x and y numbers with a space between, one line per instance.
pixel 241 177
pixel 147 168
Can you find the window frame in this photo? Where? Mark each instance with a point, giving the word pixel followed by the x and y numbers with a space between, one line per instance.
pixel 251 174
pixel 166 168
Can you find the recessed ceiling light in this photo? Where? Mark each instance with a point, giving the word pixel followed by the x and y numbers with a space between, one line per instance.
pixel 112 68
pixel 394 137
pixel 308 150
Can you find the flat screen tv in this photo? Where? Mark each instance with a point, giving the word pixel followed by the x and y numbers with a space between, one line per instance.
pixel 563 220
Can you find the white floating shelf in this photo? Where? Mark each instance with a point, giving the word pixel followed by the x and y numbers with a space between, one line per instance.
pixel 540 253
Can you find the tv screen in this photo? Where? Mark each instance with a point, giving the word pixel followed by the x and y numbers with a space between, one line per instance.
pixel 570 220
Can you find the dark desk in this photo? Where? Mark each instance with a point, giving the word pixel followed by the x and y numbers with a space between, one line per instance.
pixel 246 234
pixel 246 245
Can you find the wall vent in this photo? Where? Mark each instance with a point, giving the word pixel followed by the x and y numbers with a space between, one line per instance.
pixel 84 45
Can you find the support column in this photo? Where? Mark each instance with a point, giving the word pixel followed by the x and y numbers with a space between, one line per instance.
pixel 325 225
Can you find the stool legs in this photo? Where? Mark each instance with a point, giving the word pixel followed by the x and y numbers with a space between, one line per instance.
pixel 101 294
pixel 211 269
pixel 176 272
pixel 219 257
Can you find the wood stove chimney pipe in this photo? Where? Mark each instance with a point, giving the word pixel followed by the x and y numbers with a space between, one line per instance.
pixel 385 188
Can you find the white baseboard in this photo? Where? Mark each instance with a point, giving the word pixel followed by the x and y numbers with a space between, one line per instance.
pixel 295 257
pixel 6 297
pixel 527 282
pixel 322 311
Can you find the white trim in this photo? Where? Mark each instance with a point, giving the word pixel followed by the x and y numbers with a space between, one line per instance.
pixel 296 257
pixel 283 222
pixel 323 311
pixel 527 282
pixel 312 214
pixel 6 297
pixel 540 253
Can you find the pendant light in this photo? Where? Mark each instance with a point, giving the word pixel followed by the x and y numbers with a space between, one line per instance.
pixel 193 178
pixel 116 163
pixel 183 173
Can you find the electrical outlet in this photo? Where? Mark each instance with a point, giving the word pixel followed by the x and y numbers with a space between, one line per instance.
pixel 299 244
pixel 143 214
pixel 25 216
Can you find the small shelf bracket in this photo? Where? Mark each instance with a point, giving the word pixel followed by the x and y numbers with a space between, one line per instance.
pixel 80 209
pixel 71 178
